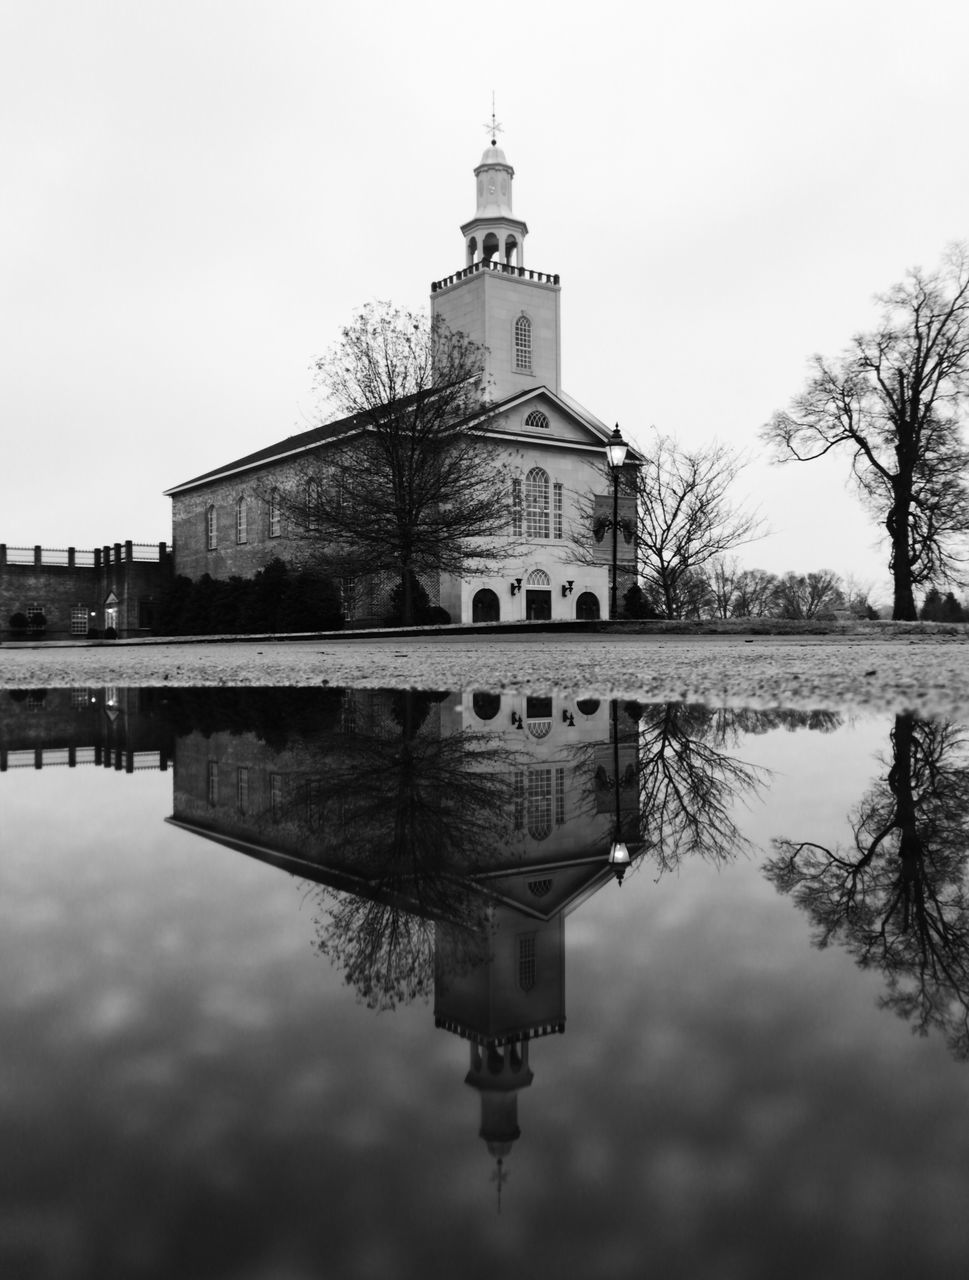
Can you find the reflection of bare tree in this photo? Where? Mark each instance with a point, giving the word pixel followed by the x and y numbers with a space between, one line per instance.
pixel 898 900
pixel 417 815
pixel 690 780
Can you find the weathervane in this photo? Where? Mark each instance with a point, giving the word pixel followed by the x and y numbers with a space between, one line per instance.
pixel 498 1175
pixel 494 128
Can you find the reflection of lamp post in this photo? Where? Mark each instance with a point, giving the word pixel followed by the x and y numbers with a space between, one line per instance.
pixel 616 453
pixel 618 851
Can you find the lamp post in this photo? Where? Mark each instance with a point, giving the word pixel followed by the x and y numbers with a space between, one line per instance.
pixel 616 453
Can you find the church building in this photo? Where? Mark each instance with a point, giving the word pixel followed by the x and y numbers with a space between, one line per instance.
pixel 560 549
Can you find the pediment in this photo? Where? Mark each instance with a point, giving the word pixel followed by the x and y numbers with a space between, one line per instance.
pixel 539 415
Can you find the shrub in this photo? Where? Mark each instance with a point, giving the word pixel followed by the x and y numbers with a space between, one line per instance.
pixel 110 633
pixel 18 622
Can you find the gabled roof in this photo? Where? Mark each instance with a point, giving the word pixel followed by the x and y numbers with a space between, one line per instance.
pixel 306 441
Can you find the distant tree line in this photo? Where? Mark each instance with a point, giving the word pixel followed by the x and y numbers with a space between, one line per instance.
pixel 725 589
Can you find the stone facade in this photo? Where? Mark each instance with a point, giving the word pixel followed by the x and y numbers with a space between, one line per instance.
pixel 77 591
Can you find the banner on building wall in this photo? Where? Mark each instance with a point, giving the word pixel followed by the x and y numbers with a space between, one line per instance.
pixel 602 530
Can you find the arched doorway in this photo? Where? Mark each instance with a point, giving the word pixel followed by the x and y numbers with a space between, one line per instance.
pixel 587 607
pixel 538 596
pixel 485 606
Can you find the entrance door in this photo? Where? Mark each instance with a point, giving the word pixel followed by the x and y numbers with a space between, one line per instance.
pixel 484 606
pixel 538 605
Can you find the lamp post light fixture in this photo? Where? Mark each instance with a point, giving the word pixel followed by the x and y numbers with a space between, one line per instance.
pixel 516 586
pixel 619 858
pixel 616 453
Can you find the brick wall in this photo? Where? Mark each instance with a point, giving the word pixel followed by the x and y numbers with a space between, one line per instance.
pixel 59 589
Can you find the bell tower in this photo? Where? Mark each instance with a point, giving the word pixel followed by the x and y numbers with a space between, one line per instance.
pixel 506 307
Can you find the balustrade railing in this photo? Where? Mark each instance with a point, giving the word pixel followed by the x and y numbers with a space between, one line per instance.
pixel 501 268
pixel 82 557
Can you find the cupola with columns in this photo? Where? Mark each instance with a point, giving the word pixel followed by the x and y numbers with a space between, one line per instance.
pixel 511 310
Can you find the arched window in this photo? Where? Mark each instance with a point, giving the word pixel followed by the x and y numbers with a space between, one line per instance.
pixel 538 801
pixel 275 522
pixel 536 421
pixel 536 504
pixel 523 343
pixel 516 507
pixel 211 529
pixel 242 521
pixel 526 961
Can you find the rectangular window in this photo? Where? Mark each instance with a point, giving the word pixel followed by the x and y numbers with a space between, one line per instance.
pixel 518 792
pixel 556 510
pixel 213 782
pixel 78 620
pixel 36 619
pixel 211 529
pixel 275 523
pixel 516 508
pixel 276 795
pixel 559 797
pixel 242 521
pixel 242 789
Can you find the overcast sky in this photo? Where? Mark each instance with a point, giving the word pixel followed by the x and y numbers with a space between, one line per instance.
pixel 197 195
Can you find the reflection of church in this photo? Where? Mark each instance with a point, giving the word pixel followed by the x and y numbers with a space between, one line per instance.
pixel 540 787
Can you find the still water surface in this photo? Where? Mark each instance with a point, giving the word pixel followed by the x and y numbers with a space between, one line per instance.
pixel 317 983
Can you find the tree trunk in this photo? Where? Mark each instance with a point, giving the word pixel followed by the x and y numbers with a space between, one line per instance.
pixel 897 524
pixel 407 598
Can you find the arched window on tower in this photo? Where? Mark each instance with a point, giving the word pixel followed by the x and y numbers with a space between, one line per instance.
pixel 472 250
pixel 511 249
pixel 536 504
pixel 489 246
pixel 523 344
pixel 536 421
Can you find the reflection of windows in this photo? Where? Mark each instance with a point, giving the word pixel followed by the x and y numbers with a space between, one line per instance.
pixel 242 788
pixel 35 616
pixel 536 503
pixel 559 797
pixel 486 705
pixel 79 620
pixel 588 706
pixel 526 961
pixel 518 793
pixel 213 782
pixel 523 344
pixel 538 714
pixel 81 699
pixel 539 803
pixel 539 887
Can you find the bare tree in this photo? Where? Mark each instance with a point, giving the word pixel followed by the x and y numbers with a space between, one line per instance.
pixel 408 484
pixel 807 595
pixel 894 402
pixel 753 594
pixel 686 518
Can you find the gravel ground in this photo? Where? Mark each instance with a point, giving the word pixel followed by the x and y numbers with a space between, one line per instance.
pixel 926 672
